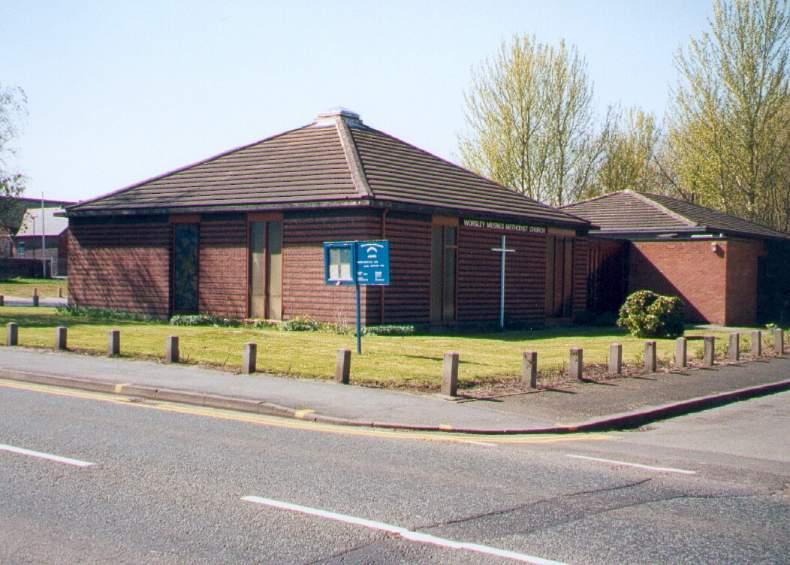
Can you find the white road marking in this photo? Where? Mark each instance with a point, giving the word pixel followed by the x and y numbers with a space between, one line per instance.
pixel 637 465
pixel 405 533
pixel 47 456
pixel 481 443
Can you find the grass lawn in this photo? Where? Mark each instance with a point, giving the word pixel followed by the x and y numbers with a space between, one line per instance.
pixel 405 362
pixel 23 287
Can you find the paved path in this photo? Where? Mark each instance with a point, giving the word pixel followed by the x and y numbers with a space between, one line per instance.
pixel 572 404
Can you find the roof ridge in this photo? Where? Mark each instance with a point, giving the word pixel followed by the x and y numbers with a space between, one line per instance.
pixel 350 151
pixel 594 198
pixel 662 208
pixel 471 172
pixel 179 169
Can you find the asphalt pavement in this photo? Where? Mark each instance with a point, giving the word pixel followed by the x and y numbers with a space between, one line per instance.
pixel 169 483
pixel 614 403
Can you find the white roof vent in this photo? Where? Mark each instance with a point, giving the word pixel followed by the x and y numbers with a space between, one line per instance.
pixel 330 116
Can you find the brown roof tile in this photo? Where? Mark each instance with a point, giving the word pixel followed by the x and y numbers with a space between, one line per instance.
pixel 337 158
pixel 630 212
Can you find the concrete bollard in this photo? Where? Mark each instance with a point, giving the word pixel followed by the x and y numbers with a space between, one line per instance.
pixel 35 297
pixel 450 374
pixel 681 353
pixel 249 358
pixel 172 353
pixel 616 359
pixel 779 341
pixel 114 343
pixel 12 334
pixel 61 338
pixel 651 364
pixel 529 369
pixel 709 351
pixel 576 363
pixel 734 348
pixel 757 343
pixel 343 366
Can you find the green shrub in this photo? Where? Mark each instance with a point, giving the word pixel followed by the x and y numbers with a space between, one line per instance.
pixel 302 324
pixel 105 314
pixel 647 314
pixel 202 320
pixel 391 330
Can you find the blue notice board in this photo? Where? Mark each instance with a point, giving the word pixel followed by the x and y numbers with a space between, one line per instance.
pixel 357 262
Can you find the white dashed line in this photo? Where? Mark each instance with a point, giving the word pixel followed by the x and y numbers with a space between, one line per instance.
pixel 637 465
pixel 47 456
pixel 404 533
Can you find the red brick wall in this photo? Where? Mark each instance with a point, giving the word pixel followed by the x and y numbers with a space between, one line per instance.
pixel 689 269
pixel 304 291
pixel 742 280
pixel 120 266
pixel 222 281
pixel 408 298
pixel 479 276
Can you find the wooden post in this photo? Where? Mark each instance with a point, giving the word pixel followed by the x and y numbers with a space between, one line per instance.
pixel 249 358
pixel 60 292
pixel 616 359
pixel 61 338
pixel 114 343
pixel 757 343
pixel 651 365
pixel 734 347
pixel 709 351
pixel 2 300
pixel 343 366
pixel 35 297
pixel 529 369
pixel 681 353
pixel 450 374
pixel 576 364
pixel 779 341
pixel 172 353
pixel 12 334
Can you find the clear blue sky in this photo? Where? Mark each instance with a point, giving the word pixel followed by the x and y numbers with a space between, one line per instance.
pixel 121 91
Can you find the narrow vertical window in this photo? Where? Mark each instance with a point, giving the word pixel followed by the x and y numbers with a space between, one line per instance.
pixel 185 268
pixel 257 270
pixel 444 246
pixel 274 265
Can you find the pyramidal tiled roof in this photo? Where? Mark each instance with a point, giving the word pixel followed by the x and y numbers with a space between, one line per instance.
pixel 334 160
pixel 629 212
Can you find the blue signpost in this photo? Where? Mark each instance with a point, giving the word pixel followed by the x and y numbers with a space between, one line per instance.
pixel 361 263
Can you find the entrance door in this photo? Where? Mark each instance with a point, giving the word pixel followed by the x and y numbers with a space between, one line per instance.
pixel 266 267
pixel 185 268
pixel 559 277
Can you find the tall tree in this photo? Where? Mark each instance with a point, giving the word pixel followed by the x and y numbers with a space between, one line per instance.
pixel 729 125
pixel 530 121
pixel 630 143
pixel 12 106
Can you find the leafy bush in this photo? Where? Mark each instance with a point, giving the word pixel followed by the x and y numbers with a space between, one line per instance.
pixel 391 330
pixel 202 320
pixel 647 314
pixel 105 314
pixel 302 324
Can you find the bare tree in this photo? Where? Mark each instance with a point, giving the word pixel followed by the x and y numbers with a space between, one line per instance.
pixel 530 121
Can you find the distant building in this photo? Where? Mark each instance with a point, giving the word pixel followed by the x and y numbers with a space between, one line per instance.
pixel 27 242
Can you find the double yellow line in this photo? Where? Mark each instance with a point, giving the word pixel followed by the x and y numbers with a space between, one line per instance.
pixel 304 425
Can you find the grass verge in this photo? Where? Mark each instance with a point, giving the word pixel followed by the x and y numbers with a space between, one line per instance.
pixel 23 287
pixel 413 361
